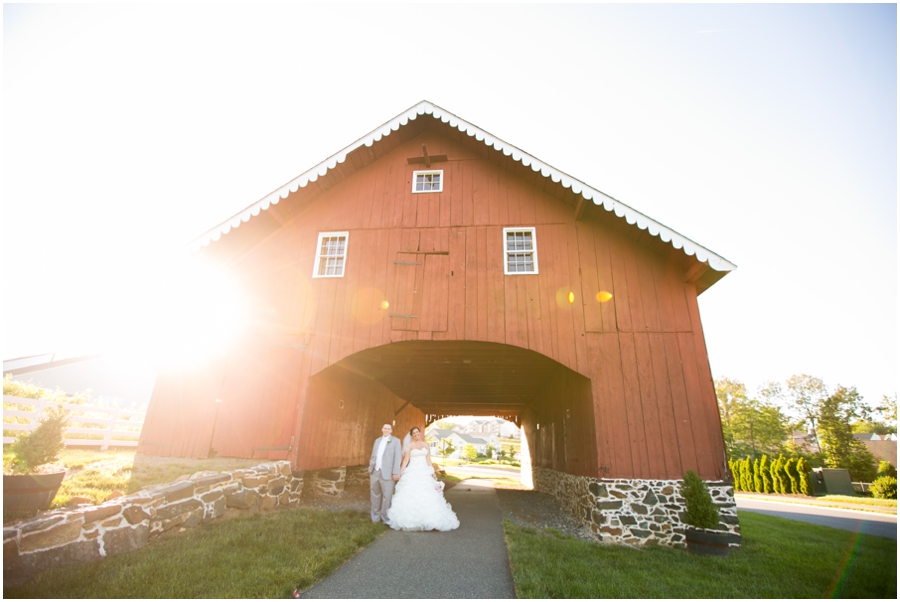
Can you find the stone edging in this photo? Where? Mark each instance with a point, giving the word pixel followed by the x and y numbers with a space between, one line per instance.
pixel 127 523
pixel 634 511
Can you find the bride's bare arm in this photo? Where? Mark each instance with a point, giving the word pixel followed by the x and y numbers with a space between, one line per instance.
pixel 404 462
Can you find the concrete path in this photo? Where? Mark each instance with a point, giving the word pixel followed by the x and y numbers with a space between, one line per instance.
pixel 870 523
pixel 470 562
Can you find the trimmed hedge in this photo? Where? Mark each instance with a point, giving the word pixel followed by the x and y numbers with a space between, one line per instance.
pixel 781 475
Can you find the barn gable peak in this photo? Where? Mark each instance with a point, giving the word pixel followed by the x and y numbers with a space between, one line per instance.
pixel 621 210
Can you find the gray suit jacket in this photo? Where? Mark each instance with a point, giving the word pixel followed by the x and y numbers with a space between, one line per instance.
pixel 390 461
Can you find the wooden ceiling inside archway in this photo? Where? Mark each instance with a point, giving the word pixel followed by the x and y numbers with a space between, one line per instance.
pixel 458 378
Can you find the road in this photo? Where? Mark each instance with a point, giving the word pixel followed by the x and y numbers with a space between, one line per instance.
pixel 870 523
pixel 483 471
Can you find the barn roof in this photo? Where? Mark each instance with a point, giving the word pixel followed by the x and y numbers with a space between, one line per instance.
pixel 404 119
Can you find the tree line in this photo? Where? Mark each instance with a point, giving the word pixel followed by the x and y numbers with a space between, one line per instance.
pixel 763 424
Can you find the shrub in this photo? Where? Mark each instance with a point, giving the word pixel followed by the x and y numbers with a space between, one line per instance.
pixel 735 475
pixel 886 469
pixel 42 445
pixel 747 474
pixel 803 470
pixel 764 473
pixel 790 469
pixel 701 511
pixel 884 488
pixel 757 479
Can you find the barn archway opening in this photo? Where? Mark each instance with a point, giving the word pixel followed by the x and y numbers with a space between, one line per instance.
pixel 414 383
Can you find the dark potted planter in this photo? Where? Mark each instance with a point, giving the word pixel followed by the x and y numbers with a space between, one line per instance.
pixel 30 491
pixel 702 517
pixel 708 543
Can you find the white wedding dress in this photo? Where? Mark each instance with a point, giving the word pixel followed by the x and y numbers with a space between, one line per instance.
pixel 417 504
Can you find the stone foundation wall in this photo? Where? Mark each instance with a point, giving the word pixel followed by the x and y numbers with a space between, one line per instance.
pixel 87 532
pixel 358 476
pixel 634 511
pixel 329 481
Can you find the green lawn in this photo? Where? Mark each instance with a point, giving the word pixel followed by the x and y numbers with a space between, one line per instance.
pixel 779 559
pixel 264 555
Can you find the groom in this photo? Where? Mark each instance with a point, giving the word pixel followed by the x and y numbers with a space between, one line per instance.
pixel 384 470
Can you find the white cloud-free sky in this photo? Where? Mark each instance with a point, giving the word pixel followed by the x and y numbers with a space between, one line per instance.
pixel 767 133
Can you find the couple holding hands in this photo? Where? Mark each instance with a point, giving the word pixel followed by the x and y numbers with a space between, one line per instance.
pixel 418 503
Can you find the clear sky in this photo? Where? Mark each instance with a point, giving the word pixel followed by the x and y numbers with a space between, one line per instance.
pixel 767 133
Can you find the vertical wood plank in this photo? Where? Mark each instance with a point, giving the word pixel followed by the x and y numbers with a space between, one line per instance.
pixel 634 407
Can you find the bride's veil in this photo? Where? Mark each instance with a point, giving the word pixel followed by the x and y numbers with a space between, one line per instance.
pixel 407 441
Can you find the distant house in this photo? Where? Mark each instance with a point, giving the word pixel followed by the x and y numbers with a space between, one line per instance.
pixel 492 426
pixel 434 436
pixel 882 447
pixel 805 442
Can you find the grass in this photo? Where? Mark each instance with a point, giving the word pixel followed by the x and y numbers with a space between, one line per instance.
pixel 779 559
pixel 263 555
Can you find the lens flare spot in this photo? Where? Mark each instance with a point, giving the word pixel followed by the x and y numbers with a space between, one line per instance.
pixel 385 305
pixel 571 297
pixel 604 296
pixel 562 297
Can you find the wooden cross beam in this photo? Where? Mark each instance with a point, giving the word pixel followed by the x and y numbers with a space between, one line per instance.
pixel 426 159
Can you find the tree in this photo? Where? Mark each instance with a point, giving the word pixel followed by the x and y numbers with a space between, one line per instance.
pixel 470 452
pixel 447 449
pixel 749 426
pixel 804 397
pixel 445 425
pixel 835 415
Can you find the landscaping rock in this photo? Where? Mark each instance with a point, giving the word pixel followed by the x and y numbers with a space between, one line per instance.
pixel 101 512
pixel 125 539
pixel 168 512
pixel 135 514
pixel 50 538
pixel 242 499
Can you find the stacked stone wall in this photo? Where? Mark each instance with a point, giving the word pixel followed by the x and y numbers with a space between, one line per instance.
pixel 634 511
pixel 329 481
pixel 126 523
pixel 358 476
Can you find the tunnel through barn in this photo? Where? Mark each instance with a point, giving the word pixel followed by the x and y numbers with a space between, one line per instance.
pixel 414 383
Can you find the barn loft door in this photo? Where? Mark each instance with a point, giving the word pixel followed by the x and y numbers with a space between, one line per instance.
pixel 421 293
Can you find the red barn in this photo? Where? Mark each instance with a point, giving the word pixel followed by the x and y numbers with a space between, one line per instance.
pixel 431 269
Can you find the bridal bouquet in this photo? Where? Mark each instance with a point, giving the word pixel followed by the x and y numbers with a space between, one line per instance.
pixel 438 485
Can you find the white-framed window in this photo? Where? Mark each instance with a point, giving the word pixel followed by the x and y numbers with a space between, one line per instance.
pixel 428 181
pixel 520 250
pixel 331 255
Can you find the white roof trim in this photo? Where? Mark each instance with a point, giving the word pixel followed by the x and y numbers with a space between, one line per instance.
pixel 608 203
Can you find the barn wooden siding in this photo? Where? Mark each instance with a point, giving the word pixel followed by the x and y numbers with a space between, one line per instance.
pixel 344 415
pixel 650 410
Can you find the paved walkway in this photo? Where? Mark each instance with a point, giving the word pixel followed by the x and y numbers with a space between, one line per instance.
pixel 470 562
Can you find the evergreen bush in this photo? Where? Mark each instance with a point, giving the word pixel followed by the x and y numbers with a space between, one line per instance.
pixel 764 473
pixel 884 488
pixel 735 474
pixel 790 470
pixel 757 480
pixel 803 470
pixel 701 512
pixel 747 474
pixel 42 445
pixel 886 469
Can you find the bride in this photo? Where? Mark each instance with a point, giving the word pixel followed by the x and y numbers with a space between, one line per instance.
pixel 418 503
